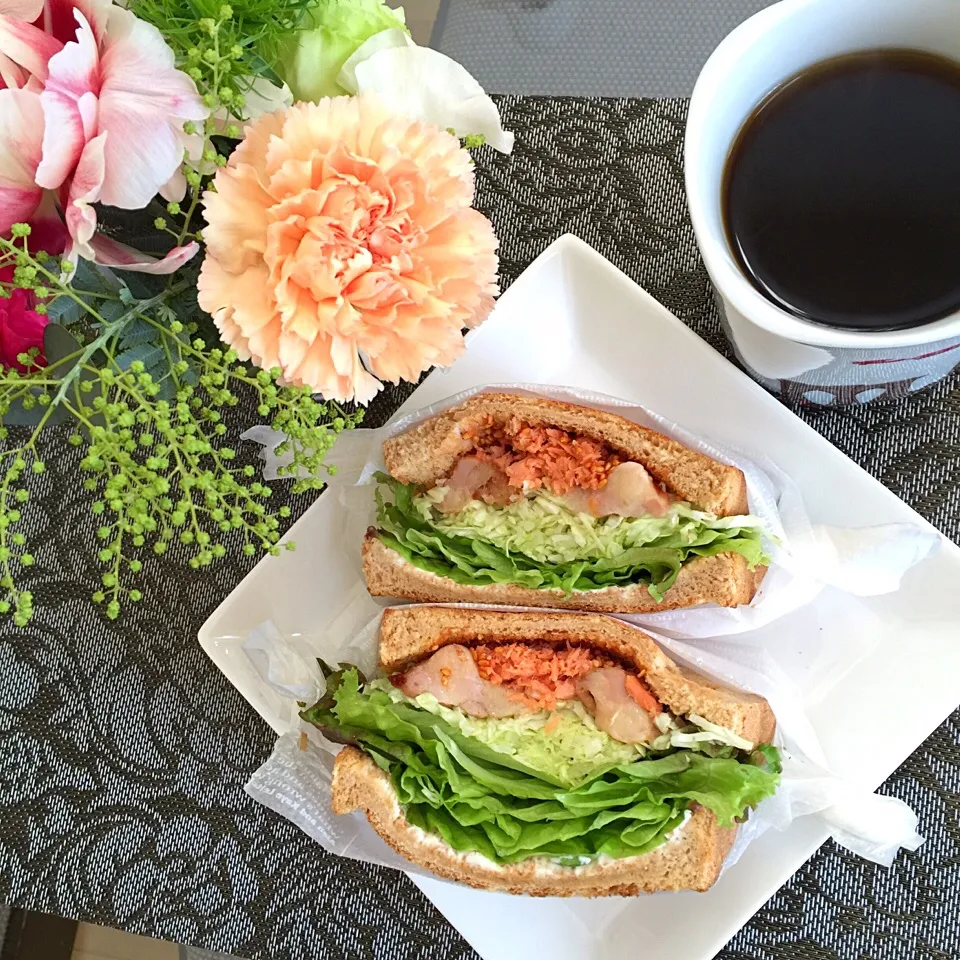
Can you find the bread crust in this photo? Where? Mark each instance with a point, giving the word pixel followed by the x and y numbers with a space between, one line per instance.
pixel 690 859
pixel 429 450
pixel 408 634
pixel 724 579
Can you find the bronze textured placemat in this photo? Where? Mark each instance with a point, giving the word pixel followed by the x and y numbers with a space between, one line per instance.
pixel 124 751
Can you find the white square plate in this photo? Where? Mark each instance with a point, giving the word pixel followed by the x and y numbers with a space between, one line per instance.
pixel 573 319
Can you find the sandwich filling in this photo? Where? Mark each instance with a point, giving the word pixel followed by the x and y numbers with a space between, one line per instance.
pixel 544 508
pixel 530 749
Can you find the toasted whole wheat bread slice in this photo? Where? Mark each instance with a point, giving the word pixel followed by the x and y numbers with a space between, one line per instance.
pixel 724 579
pixel 692 857
pixel 429 450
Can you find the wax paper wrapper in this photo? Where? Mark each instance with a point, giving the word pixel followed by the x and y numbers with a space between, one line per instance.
pixel 295 780
pixel 806 557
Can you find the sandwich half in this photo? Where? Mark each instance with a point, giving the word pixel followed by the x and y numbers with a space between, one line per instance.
pixel 524 501
pixel 552 754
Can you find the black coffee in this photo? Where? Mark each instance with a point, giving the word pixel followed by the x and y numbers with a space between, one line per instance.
pixel 841 194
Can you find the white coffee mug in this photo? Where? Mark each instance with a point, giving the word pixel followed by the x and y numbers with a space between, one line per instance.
pixel 803 361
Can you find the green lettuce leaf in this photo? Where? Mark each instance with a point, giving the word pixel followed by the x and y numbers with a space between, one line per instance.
pixel 404 526
pixel 479 799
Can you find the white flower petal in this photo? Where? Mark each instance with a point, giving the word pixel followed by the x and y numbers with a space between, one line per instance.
pixel 423 83
pixel 265 97
pixel 384 40
pixel 272 462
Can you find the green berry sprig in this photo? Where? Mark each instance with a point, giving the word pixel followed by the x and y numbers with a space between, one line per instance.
pixel 158 461
pixel 162 471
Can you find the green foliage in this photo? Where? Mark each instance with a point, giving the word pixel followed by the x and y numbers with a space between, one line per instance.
pixel 224 47
pixel 146 395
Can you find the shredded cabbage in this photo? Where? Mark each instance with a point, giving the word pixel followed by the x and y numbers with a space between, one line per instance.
pixel 541 526
pixel 714 731
pixel 575 749
pixel 572 751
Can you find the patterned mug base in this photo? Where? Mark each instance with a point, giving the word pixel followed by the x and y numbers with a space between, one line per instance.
pixel 805 394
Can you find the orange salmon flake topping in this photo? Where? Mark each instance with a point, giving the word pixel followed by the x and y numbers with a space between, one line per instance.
pixel 539 672
pixel 538 455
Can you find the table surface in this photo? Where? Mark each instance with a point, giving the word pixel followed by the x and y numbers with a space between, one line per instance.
pixel 125 751
pixel 601 48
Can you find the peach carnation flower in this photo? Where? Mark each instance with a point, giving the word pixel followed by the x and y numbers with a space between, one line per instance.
pixel 342 247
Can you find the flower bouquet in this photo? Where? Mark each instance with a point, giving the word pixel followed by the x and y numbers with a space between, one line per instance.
pixel 203 202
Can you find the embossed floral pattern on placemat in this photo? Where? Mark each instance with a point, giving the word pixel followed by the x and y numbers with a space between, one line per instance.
pixel 124 750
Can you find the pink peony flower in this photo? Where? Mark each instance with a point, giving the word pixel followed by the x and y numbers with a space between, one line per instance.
pixel 94 110
pixel 342 247
pixel 21 327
